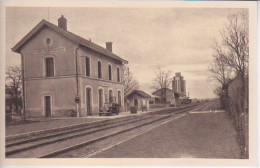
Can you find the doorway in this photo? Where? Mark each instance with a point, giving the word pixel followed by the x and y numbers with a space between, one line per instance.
pixel 88 101
pixel 136 102
pixel 47 105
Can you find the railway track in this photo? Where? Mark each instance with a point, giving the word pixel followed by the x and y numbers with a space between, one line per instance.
pixel 63 143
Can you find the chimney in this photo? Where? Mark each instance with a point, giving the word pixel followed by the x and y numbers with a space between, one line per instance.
pixel 62 22
pixel 109 46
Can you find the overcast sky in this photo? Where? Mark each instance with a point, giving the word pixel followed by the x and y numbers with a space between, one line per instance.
pixel 175 39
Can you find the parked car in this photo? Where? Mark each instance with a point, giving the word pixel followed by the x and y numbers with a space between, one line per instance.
pixel 109 109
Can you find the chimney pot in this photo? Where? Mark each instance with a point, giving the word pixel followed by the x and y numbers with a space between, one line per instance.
pixel 109 46
pixel 62 22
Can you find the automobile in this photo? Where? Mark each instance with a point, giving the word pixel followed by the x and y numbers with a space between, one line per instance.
pixel 109 109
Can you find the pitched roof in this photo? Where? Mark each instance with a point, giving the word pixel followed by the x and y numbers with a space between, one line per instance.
pixel 140 93
pixel 162 89
pixel 69 35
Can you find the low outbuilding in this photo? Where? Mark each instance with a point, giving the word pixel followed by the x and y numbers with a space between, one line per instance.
pixel 139 99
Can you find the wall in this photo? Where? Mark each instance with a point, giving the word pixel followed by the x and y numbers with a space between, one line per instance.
pixel 94 58
pixel 95 83
pixel 62 87
pixel 141 101
pixel 169 95
pixel 61 90
pixel 61 49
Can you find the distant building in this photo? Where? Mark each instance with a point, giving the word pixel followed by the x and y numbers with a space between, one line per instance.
pixel 165 95
pixel 138 98
pixel 179 84
pixel 64 72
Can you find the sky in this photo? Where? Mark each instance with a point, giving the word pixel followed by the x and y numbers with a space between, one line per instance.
pixel 175 39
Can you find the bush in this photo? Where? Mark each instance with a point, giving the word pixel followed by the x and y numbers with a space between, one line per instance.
pixel 133 109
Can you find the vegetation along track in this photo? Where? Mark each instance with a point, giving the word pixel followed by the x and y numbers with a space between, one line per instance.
pixel 53 144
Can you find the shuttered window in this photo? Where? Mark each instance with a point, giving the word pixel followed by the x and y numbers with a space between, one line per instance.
pixel 109 72
pixel 49 67
pixel 87 67
pixel 99 70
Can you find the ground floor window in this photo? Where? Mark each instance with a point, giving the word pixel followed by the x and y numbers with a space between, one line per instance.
pixel 110 94
pixel 100 97
pixel 88 101
pixel 47 106
pixel 119 97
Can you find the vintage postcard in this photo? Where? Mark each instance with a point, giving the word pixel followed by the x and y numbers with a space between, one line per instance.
pixel 129 83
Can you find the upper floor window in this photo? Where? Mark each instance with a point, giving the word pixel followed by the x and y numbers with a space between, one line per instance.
pixel 99 70
pixel 49 66
pixel 118 74
pixel 87 66
pixel 109 72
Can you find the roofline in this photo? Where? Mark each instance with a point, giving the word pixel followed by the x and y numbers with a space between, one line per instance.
pixel 17 47
pixel 137 93
pixel 161 89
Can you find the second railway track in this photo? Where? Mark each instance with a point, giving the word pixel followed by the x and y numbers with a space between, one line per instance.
pixel 57 144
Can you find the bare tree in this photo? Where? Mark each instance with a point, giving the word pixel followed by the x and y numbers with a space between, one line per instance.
pixel 162 80
pixel 220 72
pixel 231 53
pixel 130 83
pixel 13 86
pixel 233 50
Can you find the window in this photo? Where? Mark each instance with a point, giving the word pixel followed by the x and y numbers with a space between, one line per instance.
pixel 99 70
pixel 87 67
pixel 118 75
pixel 110 94
pixel 109 72
pixel 119 97
pixel 49 67
pixel 100 98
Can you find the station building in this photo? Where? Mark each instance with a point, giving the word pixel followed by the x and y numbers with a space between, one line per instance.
pixel 63 72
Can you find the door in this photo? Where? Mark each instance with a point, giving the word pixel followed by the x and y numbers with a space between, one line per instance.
pixel 88 101
pixel 136 102
pixel 47 106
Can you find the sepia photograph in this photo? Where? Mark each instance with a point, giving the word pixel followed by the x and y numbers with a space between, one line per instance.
pixel 129 82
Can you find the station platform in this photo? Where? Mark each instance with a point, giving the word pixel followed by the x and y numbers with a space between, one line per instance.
pixel 41 124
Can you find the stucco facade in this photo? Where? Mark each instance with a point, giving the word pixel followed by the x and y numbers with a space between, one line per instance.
pixel 68 81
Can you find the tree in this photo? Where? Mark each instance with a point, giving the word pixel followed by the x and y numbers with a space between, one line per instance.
pixel 220 72
pixel 162 80
pixel 232 53
pixel 233 49
pixel 130 83
pixel 13 86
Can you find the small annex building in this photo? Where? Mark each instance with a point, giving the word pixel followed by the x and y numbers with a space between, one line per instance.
pixel 139 99
pixel 165 96
pixel 63 71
